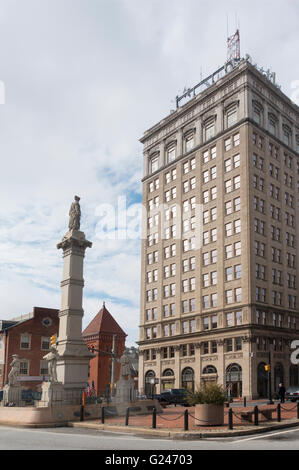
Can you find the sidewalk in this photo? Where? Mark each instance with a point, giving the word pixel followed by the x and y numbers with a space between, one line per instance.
pixel 170 423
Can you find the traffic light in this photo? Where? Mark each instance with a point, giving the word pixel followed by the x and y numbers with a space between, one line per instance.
pixel 267 367
pixel 53 340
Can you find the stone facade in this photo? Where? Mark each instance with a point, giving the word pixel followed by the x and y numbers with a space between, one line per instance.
pixel 219 249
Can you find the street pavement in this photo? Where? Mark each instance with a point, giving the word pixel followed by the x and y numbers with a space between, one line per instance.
pixel 87 439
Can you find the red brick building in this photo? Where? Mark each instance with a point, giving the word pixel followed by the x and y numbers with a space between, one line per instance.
pixel 99 335
pixel 29 338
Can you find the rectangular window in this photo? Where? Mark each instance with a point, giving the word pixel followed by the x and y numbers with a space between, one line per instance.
pixel 170 154
pixel 45 346
pixel 229 345
pixel 24 368
pixel 44 368
pixel 154 164
pixel 25 341
pixel 209 131
pixel 227 144
pixel 231 117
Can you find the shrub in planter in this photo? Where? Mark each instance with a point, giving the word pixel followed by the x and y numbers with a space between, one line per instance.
pixel 209 404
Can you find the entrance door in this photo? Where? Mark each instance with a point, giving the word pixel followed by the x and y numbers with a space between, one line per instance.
pixel 188 379
pixel 234 380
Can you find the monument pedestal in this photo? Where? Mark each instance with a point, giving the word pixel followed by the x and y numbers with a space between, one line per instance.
pixel 125 391
pixel 73 354
pixel 52 394
pixel 12 394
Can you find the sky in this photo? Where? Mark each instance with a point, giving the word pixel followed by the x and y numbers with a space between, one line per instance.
pixel 83 80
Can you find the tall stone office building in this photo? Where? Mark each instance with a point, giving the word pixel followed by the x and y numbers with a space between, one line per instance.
pixel 220 254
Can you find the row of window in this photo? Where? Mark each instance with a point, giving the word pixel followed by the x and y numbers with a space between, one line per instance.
pixel 260 273
pixel 25 367
pixel 25 342
pixel 189 142
pixel 276 319
pixel 277 297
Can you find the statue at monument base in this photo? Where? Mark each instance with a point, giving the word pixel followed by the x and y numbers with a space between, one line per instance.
pixel 125 387
pixel 12 392
pixel 53 393
pixel 12 395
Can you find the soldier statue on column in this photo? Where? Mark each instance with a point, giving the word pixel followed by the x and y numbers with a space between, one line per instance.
pixel 75 215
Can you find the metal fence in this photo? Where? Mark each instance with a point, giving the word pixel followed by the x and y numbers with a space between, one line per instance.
pixel 186 419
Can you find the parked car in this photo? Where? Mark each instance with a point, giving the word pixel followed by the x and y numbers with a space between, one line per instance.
pixel 174 396
pixel 292 393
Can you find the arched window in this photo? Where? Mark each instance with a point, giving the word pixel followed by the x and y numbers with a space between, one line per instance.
pixel 149 383
pixel 209 370
pixel 188 379
pixel 234 380
pixel 168 372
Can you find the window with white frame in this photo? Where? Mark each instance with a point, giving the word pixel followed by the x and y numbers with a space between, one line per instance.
pixel 189 142
pixel 231 116
pixel 209 130
pixel 25 341
pixel 45 343
pixel 154 164
pixel 24 367
pixel 171 153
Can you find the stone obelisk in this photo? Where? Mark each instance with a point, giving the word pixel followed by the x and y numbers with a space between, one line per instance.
pixel 74 356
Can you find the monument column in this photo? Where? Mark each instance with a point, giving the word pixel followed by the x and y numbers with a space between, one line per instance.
pixel 74 356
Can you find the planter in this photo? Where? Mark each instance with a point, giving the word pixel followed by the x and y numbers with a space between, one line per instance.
pixel 209 415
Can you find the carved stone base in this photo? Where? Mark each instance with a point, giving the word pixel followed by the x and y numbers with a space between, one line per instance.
pixel 125 391
pixel 12 395
pixel 52 394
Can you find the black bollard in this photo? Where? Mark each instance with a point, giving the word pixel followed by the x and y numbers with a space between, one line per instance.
pixel 278 413
pixel 230 418
pixel 103 415
pixel 127 416
pixel 256 416
pixel 297 409
pixel 82 413
pixel 186 420
pixel 244 402
pixel 154 424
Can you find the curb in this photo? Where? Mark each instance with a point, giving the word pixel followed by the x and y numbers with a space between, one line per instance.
pixel 179 435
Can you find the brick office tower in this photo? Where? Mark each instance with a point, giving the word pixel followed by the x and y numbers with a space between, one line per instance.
pixel 99 335
pixel 29 338
pixel 220 247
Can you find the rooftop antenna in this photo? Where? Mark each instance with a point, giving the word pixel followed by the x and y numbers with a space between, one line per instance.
pixel 233 47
